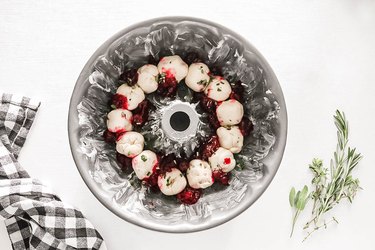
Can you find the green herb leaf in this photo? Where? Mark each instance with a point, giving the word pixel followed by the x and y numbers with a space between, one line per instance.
pixel 202 82
pixel 143 158
pixel 292 194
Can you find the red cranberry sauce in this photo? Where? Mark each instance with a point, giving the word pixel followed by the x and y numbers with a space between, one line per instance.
pixel 119 101
pixel 140 114
pixel 189 196
pixel 167 162
pixel 221 177
pixel 208 104
pixel 237 91
pixel 129 76
pixel 246 126
pixel 213 121
pixel 209 147
pixel 109 137
pixel 167 85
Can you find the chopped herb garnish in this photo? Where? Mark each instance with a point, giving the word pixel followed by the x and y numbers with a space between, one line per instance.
pixel 168 181
pixel 202 82
pixel 113 106
pixel 240 165
pixel 159 78
pixel 143 158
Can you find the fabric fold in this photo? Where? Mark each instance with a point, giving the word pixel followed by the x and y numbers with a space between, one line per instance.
pixel 35 217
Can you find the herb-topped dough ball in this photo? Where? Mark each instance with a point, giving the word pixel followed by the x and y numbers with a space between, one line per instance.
pixel 229 112
pixel 119 120
pixel 147 78
pixel 145 164
pixel 133 94
pixel 172 182
pixel 197 77
pixel 173 66
pixel 223 160
pixel 130 144
pixel 230 138
pixel 199 174
pixel 218 89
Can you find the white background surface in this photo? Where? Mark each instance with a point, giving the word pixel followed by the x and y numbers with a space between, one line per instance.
pixel 323 53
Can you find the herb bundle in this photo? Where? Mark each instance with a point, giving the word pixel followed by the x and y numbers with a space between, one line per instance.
pixel 330 185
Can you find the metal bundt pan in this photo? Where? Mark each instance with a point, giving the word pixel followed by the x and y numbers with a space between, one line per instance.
pixel 218 46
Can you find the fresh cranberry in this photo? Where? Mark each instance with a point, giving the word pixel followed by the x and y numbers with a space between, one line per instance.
pixel 189 196
pixel 125 162
pixel 140 114
pixel 192 57
pixel 120 101
pixel 246 126
pixel 207 104
pixel 227 161
pixel 210 147
pixel 167 86
pixel 109 137
pixel 213 121
pixel 167 162
pixel 183 165
pixel 237 91
pixel 221 177
pixel 130 77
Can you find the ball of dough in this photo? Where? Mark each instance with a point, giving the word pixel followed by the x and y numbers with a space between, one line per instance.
pixel 134 95
pixel 229 112
pixel 145 164
pixel 130 144
pixel 197 78
pixel 218 89
pixel 172 182
pixel 147 75
pixel 199 174
pixel 173 66
pixel 222 159
pixel 119 120
pixel 230 138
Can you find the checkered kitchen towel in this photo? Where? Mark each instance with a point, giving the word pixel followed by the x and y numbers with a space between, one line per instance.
pixel 34 216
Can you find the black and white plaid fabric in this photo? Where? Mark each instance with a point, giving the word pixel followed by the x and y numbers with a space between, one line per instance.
pixel 34 216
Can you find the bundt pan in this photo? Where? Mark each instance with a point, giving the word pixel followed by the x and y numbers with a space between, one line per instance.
pixel 218 47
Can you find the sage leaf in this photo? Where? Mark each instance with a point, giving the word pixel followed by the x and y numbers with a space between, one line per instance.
pixel 292 195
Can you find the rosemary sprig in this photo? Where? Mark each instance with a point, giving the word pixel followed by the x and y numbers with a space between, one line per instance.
pixel 331 186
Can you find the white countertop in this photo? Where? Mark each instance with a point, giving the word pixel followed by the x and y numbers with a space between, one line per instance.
pixel 322 51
